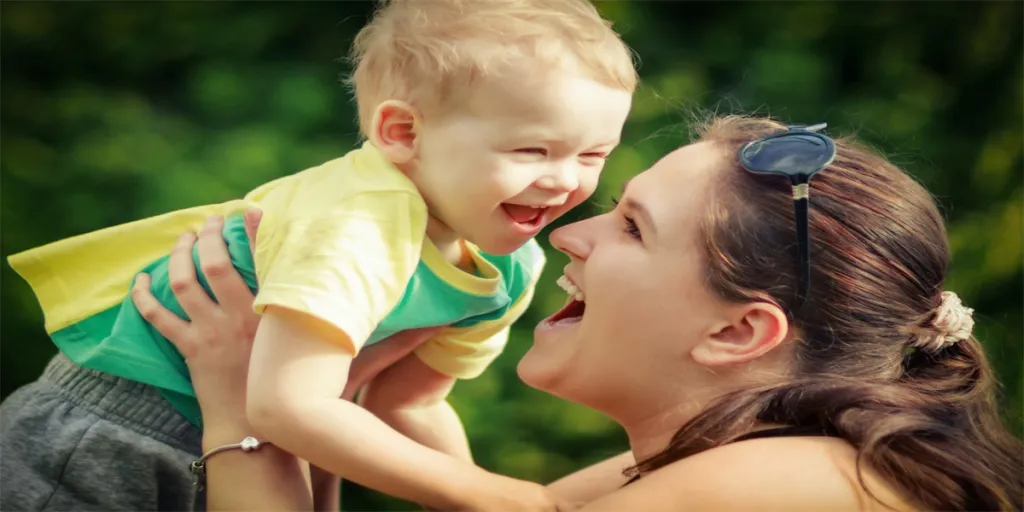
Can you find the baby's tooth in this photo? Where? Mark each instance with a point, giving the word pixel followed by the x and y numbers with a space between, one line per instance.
pixel 579 296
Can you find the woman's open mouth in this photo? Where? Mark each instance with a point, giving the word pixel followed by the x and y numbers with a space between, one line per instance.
pixel 570 314
pixel 573 311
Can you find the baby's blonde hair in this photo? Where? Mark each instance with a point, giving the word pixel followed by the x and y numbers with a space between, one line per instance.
pixel 425 51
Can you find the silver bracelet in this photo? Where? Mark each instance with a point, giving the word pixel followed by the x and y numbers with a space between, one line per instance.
pixel 198 468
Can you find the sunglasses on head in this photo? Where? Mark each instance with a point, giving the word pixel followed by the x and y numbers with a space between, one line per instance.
pixel 798 154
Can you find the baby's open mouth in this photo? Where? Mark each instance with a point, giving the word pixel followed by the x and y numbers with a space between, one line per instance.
pixel 522 214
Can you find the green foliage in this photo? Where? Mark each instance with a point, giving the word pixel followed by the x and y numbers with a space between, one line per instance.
pixel 116 111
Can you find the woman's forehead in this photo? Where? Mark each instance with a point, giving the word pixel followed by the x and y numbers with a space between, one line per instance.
pixel 692 161
pixel 677 186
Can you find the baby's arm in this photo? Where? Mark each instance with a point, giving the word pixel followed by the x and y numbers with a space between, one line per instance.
pixel 297 372
pixel 371 361
pixel 411 397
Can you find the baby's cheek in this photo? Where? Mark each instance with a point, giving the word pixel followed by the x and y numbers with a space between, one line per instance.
pixel 588 184
pixel 581 194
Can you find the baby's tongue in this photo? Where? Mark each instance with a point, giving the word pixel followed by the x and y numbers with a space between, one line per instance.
pixel 520 213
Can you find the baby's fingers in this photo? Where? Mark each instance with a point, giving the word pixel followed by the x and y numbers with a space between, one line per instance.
pixel 162 319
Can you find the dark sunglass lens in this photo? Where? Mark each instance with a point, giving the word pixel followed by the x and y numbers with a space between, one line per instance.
pixel 791 155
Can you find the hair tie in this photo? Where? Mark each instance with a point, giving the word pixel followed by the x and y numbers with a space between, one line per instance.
pixel 954 322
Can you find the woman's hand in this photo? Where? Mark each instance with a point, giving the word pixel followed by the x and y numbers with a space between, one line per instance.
pixel 217 342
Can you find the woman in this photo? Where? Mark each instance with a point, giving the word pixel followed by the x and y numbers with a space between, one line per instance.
pixel 745 376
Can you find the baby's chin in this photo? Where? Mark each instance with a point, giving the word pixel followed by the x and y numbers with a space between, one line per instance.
pixel 497 245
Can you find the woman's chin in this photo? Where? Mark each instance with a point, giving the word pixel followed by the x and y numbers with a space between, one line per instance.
pixel 538 370
pixel 552 358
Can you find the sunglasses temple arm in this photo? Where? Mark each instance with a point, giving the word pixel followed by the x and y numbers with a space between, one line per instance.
pixel 803 247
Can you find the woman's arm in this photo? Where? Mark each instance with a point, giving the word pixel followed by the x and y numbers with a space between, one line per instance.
pixel 593 482
pixel 216 346
pixel 266 479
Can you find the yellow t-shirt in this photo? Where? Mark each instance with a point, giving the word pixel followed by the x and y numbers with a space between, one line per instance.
pixel 343 242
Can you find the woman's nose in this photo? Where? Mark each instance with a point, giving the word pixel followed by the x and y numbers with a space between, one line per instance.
pixel 573 239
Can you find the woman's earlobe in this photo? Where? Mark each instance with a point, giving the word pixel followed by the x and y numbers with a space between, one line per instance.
pixel 754 330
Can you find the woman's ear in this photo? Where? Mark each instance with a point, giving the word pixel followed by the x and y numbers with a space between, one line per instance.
pixel 752 330
pixel 393 131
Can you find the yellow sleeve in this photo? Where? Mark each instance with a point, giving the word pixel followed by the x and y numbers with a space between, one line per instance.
pixel 347 264
pixel 465 352
pixel 78 277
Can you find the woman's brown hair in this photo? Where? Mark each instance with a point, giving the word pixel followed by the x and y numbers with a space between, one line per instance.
pixel 924 420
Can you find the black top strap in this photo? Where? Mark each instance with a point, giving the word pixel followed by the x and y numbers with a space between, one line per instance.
pixel 787 431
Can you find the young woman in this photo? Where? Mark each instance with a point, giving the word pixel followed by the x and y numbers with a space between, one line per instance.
pixel 756 359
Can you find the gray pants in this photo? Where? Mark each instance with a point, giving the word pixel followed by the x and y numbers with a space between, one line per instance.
pixel 80 440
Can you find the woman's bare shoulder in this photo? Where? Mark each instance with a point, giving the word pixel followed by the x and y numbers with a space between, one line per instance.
pixel 784 473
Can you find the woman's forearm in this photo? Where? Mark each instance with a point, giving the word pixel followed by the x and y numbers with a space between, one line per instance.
pixel 265 479
pixel 595 481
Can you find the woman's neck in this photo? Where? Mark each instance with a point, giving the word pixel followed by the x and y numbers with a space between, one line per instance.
pixel 650 436
pixel 651 433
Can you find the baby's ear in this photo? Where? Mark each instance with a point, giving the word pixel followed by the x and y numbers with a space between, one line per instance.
pixel 393 131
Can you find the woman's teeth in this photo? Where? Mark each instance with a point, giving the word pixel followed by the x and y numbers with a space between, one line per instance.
pixel 570 288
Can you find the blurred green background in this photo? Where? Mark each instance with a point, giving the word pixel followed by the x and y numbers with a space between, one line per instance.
pixel 110 112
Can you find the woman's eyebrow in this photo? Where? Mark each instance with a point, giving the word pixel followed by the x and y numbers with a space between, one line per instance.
pixel 639 209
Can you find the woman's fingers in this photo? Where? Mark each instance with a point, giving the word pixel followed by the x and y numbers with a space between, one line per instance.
pixel 215 262
pixel 181 272
pixel 162 319
pixel 252 219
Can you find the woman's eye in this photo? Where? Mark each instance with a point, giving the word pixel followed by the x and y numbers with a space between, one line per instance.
pixel 630 228
pixel 596 154
pixel 533 151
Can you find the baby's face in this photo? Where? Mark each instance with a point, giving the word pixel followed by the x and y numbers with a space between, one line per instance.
pixel 517 153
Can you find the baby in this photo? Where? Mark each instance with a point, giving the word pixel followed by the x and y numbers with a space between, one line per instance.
pixel 484 121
